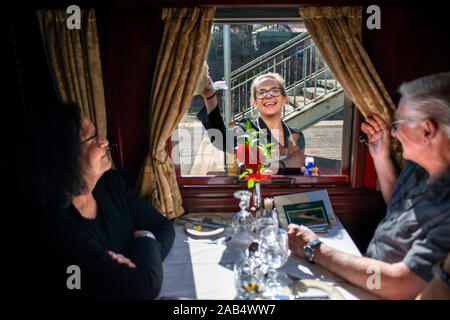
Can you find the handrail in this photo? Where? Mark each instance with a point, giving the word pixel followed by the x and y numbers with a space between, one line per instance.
pixel 281 47
pixel 305 73
pixel 267 60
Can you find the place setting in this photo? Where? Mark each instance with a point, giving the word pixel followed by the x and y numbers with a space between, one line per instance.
pixel 255 250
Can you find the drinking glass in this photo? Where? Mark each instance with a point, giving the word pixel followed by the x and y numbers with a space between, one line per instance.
pixel 273 243
pixel 249 275
pixel 264 218
pixel 243 221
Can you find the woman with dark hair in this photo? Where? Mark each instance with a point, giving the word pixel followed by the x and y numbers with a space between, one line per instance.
pixel 92 221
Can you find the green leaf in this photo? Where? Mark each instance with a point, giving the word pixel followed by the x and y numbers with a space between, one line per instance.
pixel 251 183
pixel 243 175
pixel 262 149
pixel 248 125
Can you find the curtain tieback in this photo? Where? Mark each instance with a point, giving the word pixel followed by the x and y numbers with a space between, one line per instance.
pixel 159 161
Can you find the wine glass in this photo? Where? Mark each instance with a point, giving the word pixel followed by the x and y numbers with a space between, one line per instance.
pixel 249 274
pixel 273 243
pixel 264 218
pixel 243 221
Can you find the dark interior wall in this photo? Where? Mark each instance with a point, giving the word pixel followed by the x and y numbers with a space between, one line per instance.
pixel 29 82
pixel 412 42
pixel 28 85
pixel 129 41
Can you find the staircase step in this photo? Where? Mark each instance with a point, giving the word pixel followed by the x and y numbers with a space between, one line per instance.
pixel 312 93
pixel 329 83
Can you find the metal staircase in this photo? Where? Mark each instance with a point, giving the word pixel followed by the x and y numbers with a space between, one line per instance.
pixel 313 92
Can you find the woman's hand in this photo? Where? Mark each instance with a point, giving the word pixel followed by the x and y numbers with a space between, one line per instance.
pixel 378 136
pixel 210 103
pixel 119 258
pixel 314 171
pixel 207 92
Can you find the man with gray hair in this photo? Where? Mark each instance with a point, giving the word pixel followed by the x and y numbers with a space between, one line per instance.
pixel 415 234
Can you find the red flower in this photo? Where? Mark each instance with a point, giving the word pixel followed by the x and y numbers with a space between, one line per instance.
pixel 249 156
pixel 253 158
pixel 258 176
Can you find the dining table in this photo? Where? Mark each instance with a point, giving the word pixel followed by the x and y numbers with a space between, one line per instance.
pixel 202 268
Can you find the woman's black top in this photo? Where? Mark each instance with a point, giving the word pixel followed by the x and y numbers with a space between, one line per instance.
pixel 214 121
pixel 229 140
pixel 70 239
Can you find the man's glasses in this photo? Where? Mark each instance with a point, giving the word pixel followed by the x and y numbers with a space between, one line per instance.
pixel 274 92
pixel 396 123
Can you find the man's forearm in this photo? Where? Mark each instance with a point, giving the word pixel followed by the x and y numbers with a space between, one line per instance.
pixel 390 281
pixel 387 176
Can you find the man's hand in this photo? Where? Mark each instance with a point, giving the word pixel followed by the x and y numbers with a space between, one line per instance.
pixel 298 237
pixel 119 258
pixel 378 135
pixel 379 146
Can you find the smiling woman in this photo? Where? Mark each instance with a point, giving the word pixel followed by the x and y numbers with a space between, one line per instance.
pixel 268 95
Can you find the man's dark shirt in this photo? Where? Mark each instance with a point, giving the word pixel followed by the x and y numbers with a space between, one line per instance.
pixel 416 229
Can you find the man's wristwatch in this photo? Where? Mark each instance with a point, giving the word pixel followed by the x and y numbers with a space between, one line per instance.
pixel 308 250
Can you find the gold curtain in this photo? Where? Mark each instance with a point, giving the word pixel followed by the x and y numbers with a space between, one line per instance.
pixel 180 59
pixel 74 60
pixel 336 32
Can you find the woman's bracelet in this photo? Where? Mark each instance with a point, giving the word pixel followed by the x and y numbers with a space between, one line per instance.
pixel 146 234
pixel 210 97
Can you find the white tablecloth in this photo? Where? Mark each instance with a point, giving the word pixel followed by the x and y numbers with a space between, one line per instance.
pixel 202 269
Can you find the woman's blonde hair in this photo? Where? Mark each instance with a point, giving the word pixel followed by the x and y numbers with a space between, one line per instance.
pixel 271 75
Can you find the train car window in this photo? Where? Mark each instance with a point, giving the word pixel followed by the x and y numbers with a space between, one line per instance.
pixel 316 104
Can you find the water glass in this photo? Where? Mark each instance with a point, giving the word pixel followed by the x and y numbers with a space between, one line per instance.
pixel 248 278
pixel 273 243
pixel 265 218
pixel 243 221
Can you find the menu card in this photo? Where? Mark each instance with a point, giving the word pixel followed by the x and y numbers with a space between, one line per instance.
pixel 312 209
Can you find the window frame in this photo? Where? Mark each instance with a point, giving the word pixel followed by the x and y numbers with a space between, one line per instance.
pixel 352 162
pixel 353 152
